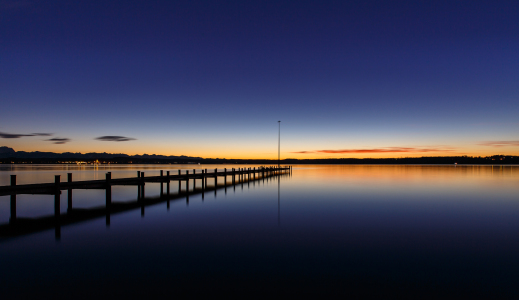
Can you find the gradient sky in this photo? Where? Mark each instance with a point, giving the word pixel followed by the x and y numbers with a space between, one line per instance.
pixel 212 78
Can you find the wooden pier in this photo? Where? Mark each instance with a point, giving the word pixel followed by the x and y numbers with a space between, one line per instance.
pixel 19 226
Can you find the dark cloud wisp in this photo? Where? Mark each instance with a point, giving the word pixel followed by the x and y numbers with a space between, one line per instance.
pixel 41 134
pixel 17 136
pixel 59 140
pixel 114 138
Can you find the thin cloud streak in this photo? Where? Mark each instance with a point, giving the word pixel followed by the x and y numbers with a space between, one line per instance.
pixel 500 143
pixel 5 135
pixel 114 138
pixel 378 150
pixel 59 140
pixel 41 134
pixel 12 135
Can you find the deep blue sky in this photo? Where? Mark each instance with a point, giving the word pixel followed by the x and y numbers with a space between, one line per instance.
pixel 212 78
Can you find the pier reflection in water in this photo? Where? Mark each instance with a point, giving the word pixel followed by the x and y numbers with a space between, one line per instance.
pixel 415 231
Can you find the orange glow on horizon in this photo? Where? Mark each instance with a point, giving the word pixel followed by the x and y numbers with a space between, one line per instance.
pixel 237 150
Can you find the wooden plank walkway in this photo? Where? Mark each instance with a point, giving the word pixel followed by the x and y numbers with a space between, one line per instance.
pixel 20 226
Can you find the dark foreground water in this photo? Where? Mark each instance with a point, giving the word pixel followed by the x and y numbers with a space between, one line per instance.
pixel 386 231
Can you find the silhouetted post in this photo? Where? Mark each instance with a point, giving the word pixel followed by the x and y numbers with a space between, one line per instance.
pixel 194 180
pixel 12 219
pixel 142 185
pixel 167 187
pixel 225 180
pixel 179 183
pixel 108 196
pixel 161 189
pixel 161 183
pixel 69 193
pixel 187 187
pixel 187 181
pixel 203 184
pixel 108 189
pixel 215 179
pixel 57 193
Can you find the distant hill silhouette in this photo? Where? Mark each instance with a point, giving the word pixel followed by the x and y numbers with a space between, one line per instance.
pixel 6 152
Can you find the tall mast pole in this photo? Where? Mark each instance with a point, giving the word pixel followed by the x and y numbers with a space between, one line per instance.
pixel 279 140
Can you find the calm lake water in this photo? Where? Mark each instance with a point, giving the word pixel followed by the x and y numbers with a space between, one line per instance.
pixel 362 230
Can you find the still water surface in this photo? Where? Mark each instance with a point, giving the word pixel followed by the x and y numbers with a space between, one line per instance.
pixel 353 230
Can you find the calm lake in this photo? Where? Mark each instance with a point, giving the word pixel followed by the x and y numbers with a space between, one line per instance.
pixel 361 230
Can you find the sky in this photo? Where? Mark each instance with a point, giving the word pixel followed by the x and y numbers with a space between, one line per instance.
pixel 213 78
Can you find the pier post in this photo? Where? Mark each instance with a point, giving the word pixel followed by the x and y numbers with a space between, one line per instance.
pixel 57 192
pixel 203 184
pixel 12 219
pixel 108 189
pixel 161 189
pixel 233 176
pixel 161 184
pixel 194 180
pixel 179 183
pixel 225 176
pixel 108 196
pixel 167 186
pixel 69 193
pixel 187 182
pixel 142 185
pixel 187 187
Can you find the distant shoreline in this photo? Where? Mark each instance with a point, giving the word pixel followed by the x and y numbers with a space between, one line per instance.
pixel 10 156
pixel 460 160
